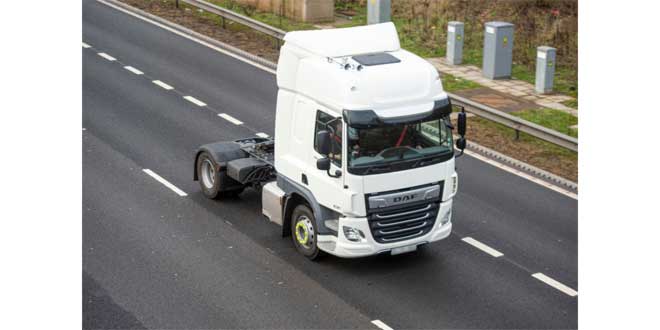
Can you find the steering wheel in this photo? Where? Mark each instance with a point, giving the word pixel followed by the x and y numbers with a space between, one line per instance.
pixel 396 151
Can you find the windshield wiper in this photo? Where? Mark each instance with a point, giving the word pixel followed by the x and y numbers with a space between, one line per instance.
pixel 428 159
pixel 379 169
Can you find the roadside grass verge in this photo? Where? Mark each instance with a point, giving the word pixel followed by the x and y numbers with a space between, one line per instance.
pixel 271 19
pixel 554 119
pixel 527 148
pixel 571 103
pixel 452 83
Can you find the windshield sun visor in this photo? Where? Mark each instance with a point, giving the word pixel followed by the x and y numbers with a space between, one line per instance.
pixel 369 118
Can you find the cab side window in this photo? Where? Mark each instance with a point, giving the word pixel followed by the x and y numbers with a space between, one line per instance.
pixel 332 124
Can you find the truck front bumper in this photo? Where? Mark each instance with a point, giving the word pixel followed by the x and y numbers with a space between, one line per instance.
pixel 342 247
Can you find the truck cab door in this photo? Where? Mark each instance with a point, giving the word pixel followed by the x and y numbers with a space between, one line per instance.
pixel 326 188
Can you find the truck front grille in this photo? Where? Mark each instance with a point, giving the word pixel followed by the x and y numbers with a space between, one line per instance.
pixel 405 221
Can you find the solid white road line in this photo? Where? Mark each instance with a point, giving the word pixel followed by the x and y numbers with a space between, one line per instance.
pixel 86 45
pixel 163 85
pixel 189 37
pixel 230 119
pixel 482 247
pixel 195 101
pixel 551 282
pixel 522 174
pixel 165 182
pixel 107 57
pixel 262 135
pixel 134 70
pixel 381 325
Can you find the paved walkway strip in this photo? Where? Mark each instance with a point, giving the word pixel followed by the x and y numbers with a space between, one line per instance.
pixel 515 88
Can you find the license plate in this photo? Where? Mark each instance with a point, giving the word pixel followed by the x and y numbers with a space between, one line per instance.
pixel 404 249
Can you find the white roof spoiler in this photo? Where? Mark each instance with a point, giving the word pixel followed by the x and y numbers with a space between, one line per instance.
pixel 375 38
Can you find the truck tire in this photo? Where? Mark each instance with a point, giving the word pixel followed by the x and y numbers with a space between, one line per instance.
pixel 215 183
pixel 304 233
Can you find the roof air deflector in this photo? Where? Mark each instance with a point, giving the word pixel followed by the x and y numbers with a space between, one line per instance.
pixel 376 59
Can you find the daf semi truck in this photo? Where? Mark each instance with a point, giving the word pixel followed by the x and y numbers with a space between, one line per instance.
pixel 362 160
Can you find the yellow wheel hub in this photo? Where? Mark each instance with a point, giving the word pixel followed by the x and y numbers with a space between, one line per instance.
pixel 302 235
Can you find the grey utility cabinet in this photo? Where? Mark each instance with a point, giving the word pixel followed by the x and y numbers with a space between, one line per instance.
pixel 498 50
pixel 545 69
pixel 378 11
pixel 455 34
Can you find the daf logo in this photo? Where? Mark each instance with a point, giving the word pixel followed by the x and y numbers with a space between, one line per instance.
pixel 404 198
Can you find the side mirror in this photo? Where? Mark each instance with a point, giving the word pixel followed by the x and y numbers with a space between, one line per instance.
pixel 462 123
pixel 323 143
pixel 460 143
pixel 323 164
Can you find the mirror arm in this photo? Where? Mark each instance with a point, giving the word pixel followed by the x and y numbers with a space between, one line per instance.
pixel 462 136
pixel 448 123
pixel 336 175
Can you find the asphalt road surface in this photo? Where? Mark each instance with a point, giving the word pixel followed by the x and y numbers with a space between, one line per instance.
pixel 157 254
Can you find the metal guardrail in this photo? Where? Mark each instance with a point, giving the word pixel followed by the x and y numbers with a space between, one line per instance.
pixel 518 124
pixel 238 18
pixel 481 110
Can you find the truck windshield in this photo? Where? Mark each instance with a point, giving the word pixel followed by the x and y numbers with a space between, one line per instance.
pixel 397 147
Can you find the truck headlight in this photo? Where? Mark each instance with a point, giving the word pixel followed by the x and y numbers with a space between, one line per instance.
pixel 445 218
pixel 353 234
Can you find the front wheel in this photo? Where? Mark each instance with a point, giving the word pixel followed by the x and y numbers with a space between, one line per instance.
pixel 304 233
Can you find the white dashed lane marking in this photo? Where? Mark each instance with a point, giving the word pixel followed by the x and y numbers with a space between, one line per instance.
pixel 381 325
pixel 195 101
pixel 262 135
pixel 553 283
pixel 107 57
pixel 165 182
pixel 86 45
pixel 187 36
pixel 163 85
pixel 230 119
pixel 134 70
pixel 482 247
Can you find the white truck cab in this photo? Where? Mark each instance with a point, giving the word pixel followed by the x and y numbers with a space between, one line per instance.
pixel 364 160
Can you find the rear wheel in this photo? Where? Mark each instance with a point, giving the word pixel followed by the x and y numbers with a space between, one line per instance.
pixel 214 182
pixel 304 233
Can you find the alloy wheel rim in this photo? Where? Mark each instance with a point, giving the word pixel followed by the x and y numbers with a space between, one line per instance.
pixel 208 174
